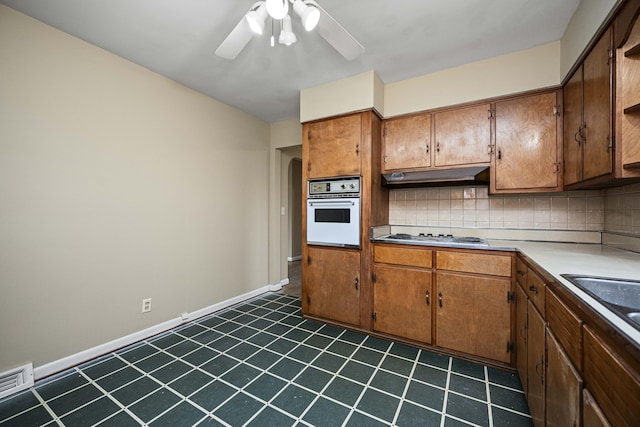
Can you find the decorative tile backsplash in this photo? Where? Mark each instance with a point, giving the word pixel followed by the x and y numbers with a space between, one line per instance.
pixel 474 207
pixel 622 209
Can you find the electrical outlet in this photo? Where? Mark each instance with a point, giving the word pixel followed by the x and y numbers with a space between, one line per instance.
pixel 146 305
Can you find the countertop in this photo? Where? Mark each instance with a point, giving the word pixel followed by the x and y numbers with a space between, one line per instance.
pixel 585 259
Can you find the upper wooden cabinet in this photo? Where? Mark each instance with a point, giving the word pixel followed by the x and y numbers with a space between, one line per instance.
pixel 463 136
pixel 528 135
pixel 602 108
pixel 334 147
pixel 407 142
pixel 628 105
pixel 588 142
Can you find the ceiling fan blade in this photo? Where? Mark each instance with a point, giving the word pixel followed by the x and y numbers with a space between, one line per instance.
pixel 338 37
pixel 235 41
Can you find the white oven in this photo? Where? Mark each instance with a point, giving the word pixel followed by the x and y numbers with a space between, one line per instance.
pixel 333 212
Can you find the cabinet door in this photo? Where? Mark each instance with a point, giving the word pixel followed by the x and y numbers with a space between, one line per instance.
pixel 564 387
pixel 473 315
pixel 334 147
pixel 526 154
pixel 407 142
pixel 591 412
pixel 463 136
pixel 598 155
pixel 521 335
pixel 572 141
pixel 535 365
pixel 331 284
pixel 402 300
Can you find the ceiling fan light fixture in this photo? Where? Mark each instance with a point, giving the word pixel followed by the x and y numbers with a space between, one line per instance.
pixel 256 17
pixel 277 9
pixel 287 37
pixel 308 12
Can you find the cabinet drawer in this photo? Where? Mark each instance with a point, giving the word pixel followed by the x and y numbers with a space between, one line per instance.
pixel 615 385
pixel 535 290
pixel 521 272
pixel 412 256
pixel 566 326
pixel 494 265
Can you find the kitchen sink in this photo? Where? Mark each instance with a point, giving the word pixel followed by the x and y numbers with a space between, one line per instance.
pixel 619 295
pixel 635 317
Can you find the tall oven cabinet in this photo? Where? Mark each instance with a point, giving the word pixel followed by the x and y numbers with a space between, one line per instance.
pixel 336 282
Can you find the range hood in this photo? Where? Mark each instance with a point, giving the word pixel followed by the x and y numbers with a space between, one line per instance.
pixel 454 176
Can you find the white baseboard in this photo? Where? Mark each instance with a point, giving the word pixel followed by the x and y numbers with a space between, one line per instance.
pixel 99 350
pixel 295 258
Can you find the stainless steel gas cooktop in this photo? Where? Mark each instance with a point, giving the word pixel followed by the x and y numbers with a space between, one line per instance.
pixel 439 239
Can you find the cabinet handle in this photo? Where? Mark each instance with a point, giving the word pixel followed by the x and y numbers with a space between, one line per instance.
pixel 385 160
pixel 490 149
pixel 440 299
pixel 427 150
pixel 577 137
pixel 540 374
pixel 357 149
pixel 427 297
pixel 520 273
pixel 437 147
pixel 499 153
pixel 356 283
pixel 533 289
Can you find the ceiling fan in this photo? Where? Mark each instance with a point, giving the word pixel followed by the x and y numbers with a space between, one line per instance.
pixel 311 15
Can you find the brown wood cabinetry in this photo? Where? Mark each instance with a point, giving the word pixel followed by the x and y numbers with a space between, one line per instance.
pixel 407 142
pixel 463 136
pixel 473 311
pixel 628 104
pixel 332 284
pixel 473 315
pixel 528 135
pixel 588 136
pixel 535 364
pixel 402 291
pixel 611 381
pixel 572 372
pixel 563 388
pixel 333 147
pixel 343 146
pixel 402 302
pixel 591 413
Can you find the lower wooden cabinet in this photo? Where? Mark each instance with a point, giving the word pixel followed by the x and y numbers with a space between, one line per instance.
pixel 613 383
pixel 563 389
pixel 591 412
pixel 402 299
pixel 535 364
pixel 473 315
pixel 521 336
pixel 331 285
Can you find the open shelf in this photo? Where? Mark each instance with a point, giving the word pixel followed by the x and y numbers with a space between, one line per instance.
pixel 633 51
pixel 632 109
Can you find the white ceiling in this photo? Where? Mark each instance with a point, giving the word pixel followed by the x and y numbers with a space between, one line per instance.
pixel 402 38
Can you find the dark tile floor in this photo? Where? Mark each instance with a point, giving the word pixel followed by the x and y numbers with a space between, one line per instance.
pixel 260 363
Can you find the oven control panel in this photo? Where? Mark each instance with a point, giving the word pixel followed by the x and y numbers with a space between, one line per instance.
pixel 335 187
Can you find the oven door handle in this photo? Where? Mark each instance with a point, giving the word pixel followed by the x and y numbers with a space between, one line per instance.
pixel 330 202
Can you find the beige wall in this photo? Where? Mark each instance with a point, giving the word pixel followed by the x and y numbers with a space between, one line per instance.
pixel 116 184
pixel 583 26
pixel 529 69
pixel 360 92
pixel 286 144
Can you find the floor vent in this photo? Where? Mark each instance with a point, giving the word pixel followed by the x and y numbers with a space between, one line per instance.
pixel 16 380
